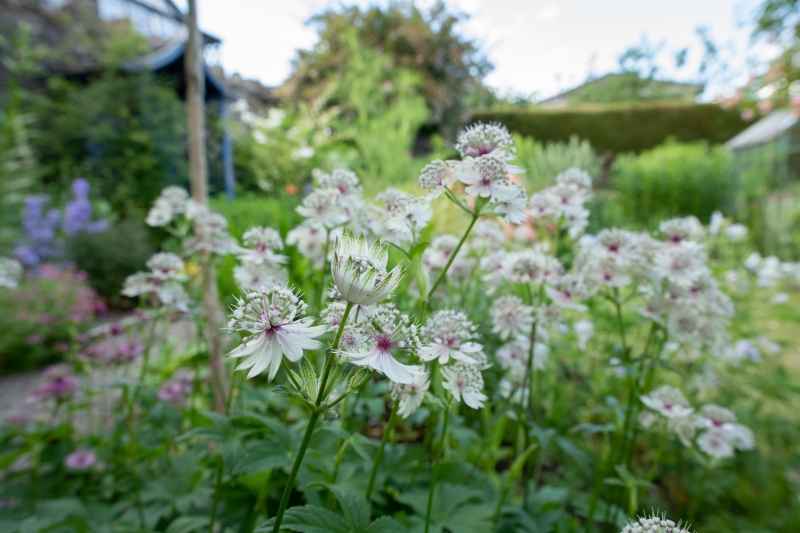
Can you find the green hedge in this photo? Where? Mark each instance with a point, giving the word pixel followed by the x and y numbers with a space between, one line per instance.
pixel 622 128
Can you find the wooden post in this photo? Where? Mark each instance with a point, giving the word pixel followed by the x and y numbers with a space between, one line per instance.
pixel 195 96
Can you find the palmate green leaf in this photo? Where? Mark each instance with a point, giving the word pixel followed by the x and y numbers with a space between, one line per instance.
pixel 188 524
pixel 288 391
pixel 385 524
pixel 455 507
pixel 309 519
pixel 263 457
pixel 354 506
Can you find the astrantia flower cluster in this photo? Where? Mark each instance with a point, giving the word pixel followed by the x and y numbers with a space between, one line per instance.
pixel 164 280
pixel 565 201
pixel 359 271
pixel 655 524
pixel 271 318
pixel 260 264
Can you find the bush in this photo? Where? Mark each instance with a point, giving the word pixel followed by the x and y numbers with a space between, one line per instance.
pixel 44 316
pixel 544 161
pixel 673 180
pixel 622 128
pixel 109 257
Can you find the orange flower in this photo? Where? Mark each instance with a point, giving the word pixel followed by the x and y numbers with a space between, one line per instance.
pixel 291 188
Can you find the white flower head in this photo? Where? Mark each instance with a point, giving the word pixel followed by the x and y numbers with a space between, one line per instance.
pixel 166 266
pixel 406 222
pixel 448 334
pixel 10 273
pixel 309 238
pixel 713 416
pixel 322 206
pixel 380 334
pixel 465 383
pixel 359 271
pixel 584 329
pixel 716 443
pixel 736 232
pixel 410 395
pixel 716 222
pixel 531 266
pixel 565 289
pixel 485 139
pixel 441 249
pixel 680 230
pixel 485 177
pixel 512 204
pixel 680 265
pixel 343 180
pixel 575 177
pixel 683 428
pixel 655 523
pixel 435 176
pixel 262 243
pixel 510 317
pixel 271 318
pixel 668 401
pixel 487 235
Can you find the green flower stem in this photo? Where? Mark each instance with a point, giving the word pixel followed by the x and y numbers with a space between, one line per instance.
pixel 659 454
pixel 321 281
pixel 698 495
pixel 436 466
pixel 218 482
pixel 287 491
pixel 132 456
pixel 379 455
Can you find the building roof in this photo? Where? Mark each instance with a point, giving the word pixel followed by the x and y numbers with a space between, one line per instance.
pixel 769 128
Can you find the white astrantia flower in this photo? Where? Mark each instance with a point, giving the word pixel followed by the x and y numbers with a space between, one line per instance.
pixel 10 272
pixel 680 265
pixel 575 177
pixel 170 202
pixel 741 436
pixel 435 176
pixel 262 243
pixel 565 289
pixel 405 223
pixel 322 206
pixel 541 205
pixel 513 387
pixel 210 232
pixel 736 232
pixel 485 139
pixel 166 266
pixel 512 209
pixel 493 266
pixel 138 284
pixel 465 383
pixel 333 314
pixel 309 239
pixel 256 275
pixel 513 356
pixel 680 230
pixel 380 334
pixel 655 523
pixel 448 334
pixel 271 318
pixel 410 395
pixel 646 419
pixel 484 177
pixel 510 317
pixel 713 416
pixel 441 249
pixel 359 271
pixel 577 221
pixel 668 401
pixel 526 266
pixel 716 443
pixel 393 199
pixel 566 198
pixel 343 180
pixel 173 295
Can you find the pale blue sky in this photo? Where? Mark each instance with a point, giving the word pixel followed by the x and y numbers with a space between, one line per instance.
pixel 539 46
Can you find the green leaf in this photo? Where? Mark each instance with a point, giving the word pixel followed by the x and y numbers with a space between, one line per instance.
pixel 434 402
pixel 336 378
pixel 329 414
pixel 188 524
pixel 385 524
pixel 359 377
pixel 309 377
pixel 283 389
pixel 309 519
pixel 354 506
pixel 574 452
pixel 519 462
pixel 263 457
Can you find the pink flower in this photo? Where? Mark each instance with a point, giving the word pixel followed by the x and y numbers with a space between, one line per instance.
pixel 62 346
pixel 177 389
pixel 80 459
pixel 36 338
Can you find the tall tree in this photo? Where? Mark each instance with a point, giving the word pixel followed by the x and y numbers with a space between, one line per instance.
pixel 450 64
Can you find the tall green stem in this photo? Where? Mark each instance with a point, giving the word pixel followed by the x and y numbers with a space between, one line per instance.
pixel 321 281
pixel 148 345
pixel 132 456
pixel 379 455
pixel 436 468
pixel 218 483
pixel 311 422
pixel 697 495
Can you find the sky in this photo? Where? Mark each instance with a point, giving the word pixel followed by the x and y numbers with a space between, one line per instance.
pixel 538 47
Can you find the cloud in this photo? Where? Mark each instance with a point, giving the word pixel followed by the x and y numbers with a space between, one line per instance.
pixel 549 13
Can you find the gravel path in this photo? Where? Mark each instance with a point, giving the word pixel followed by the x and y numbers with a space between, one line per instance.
pixel 16 388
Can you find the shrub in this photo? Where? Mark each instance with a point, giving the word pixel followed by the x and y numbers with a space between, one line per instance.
pixel 43 317
pixel 544 161
pixel 673 180
pixel 622 128
pixel 109 257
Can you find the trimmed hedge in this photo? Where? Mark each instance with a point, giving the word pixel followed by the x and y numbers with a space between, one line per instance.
pixel 622 127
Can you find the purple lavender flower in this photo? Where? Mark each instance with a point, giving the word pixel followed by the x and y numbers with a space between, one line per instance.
pixel 78 212
pixel 59 385
pixel 80 459
pixel 39 231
